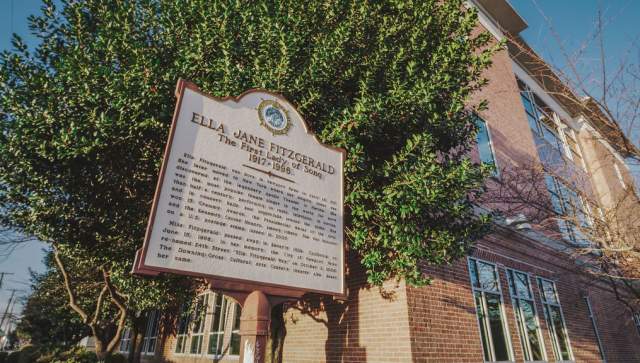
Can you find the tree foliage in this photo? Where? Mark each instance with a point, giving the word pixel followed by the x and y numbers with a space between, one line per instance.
pixel 85 117
pixel 47 320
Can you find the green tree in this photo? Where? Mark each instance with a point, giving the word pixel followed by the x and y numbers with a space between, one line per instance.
pixel 47 320
pixel 85 118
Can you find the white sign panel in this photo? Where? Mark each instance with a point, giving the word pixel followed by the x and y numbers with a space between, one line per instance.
pixel 247 194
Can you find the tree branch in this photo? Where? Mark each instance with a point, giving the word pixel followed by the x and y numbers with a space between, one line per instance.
pixel 67 284
pixel 115 297
pixel 99 305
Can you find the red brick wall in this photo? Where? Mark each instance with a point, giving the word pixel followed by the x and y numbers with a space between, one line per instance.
pixel 443 321
pixel 372 325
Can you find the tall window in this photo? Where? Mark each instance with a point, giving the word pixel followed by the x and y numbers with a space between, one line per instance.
pixel 197 324
pixel 183 329
pixel 567 203
pixel 151 333
pixel 636 320
pixel 234 344
pixel 217 326
pixel 208 329
pixel 125 341
pixel 539 115
pixel 595 327
pixel 545 132
pixel 555 319
pixel 489 309
pixel 485 148
pixel 525 312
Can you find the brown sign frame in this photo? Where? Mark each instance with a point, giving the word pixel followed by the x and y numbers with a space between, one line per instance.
pixel 220 282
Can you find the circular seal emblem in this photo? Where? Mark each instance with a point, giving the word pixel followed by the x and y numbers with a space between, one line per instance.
pixel 274 117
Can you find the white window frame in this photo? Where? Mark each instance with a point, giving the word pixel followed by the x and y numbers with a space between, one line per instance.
pixel 125 339
pixel 524 337
pixel 505 324
pixel 185 334
pixel 478 118
pixel 570 231
pixel 198 332
pixel 235 329
pixel 595 328
pixel 636 321
pixel 151 332
pixel 222 322
pixel 227 311
pixel 550 327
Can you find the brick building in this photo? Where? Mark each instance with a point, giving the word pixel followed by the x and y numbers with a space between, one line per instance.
pixel 518 297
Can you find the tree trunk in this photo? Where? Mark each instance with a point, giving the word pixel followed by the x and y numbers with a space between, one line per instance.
pixel 101 352
pixel 138 331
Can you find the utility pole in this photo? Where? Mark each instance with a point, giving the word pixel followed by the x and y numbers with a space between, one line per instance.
pixel 6 310
pixel 2 277
pixel 10 317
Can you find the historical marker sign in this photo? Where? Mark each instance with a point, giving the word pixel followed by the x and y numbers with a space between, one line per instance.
pixel 247 194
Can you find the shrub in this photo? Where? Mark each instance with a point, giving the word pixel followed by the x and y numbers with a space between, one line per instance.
pixel 28 354
pixel 76 355
pixel 13 357
pixel 116 358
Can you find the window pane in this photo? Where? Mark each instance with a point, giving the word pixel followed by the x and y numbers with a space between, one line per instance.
pixel 473 270
pixel 636 319
pixel 199 315
pixel 154 321
pixel 558 327
pixel 548 291
pixel 532 329
pixel 484 143
pixel 487 276
pixel 196 344
pixel 219 311
pixel 483 327
pixel 567 230
pixel 521 327
pixel 184 320
pixel 533 123
pixel 496 326
pixel 234 344
pixel 522 285
pixel 527 104
pixel 550 137
pixel 151 345
pixel 215 344
pixel 218 322
pixel 180 344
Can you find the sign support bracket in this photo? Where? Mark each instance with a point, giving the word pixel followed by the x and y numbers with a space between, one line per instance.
pixel 254 327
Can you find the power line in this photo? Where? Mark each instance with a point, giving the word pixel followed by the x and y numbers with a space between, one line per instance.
pixel 6 310
pixel 9 318
pixel 2 274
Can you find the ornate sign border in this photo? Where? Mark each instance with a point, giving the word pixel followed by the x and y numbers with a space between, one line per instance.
pixel 228 283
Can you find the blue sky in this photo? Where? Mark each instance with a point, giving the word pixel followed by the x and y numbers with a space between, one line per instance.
pixel 572 20
pixel 558 28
